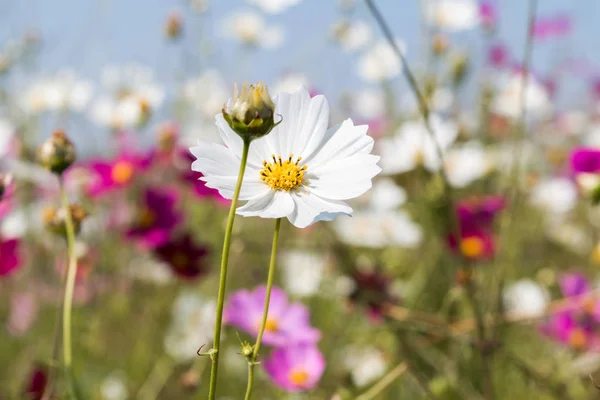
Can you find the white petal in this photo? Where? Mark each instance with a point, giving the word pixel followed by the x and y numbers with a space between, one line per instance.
pixel 226 185
pixel 341 141
pixel 273 204
pixel 214 159
pixel 310 208
pixel 344 179
pixel 235 144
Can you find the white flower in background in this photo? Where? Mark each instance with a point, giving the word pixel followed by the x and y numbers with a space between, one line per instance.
pixel 574 122
pixel 302 272
pixel 7 133
pixel 526 298
pixel 207 93
pixel 133 95
pixel 274 6
pixel 289 82
pixel 195 129
pixel 365 365
pixel 592 135
pixel 301 170
pixel 441 101
pixel 412 145
pixel 379 229
pixel 352 35
pixel 386 195
pixel 572 236
pixel 113 387
pixel 556 196
pixel 251 29
pixel 467 163
pixel 148 269
pixel 453 15
pixel 64 91
pixel 507 102
pixel 192 320
pixel 199 6
pixel 368 103
pixel 380 62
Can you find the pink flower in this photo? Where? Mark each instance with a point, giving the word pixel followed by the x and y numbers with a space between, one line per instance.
pixel 156 219
pixel 115 174
pixel 498 55
pixel 585 160
pixel 23 312
pixel 558 25
pixel 296 368
pixel 479 212
pixel 488 14
pixel 192 178
pixel 10 259
pixel 287 324
pixel 36 385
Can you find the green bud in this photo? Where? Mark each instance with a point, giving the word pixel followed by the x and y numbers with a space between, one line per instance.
pixel 247 350
pixel 55 218
pixel 251 112
pixel 57 153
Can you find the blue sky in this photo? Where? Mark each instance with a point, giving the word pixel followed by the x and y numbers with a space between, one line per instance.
pixel 89 34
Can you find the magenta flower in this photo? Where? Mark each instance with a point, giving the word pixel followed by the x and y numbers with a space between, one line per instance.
pixel 555 26
pixel 10 259
pixel 287 324
pixel 36 385
pixel 479 212
pixel 115 174
pixel 488 14
pixel 186 259
pixel 156 219
pixel 585 160
pixel 498 56
pixel 372 289
pixel 474 244
pixel 295 368
pixel 192 178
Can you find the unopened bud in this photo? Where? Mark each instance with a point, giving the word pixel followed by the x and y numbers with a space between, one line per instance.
pixel 251 112
pixel 174 25
pixel 247 350
pixel 167 133
pixel 55 218
pixel 57 153
pixel 459 68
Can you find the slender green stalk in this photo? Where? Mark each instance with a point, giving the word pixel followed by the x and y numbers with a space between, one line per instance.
pixel 270 276
pixel 69 289
pixel 384 382
pixel 223 277
pixel 156 380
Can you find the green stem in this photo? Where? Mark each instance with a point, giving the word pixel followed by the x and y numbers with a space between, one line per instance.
pixel 256 347
pixel 69 289
pixel 223 277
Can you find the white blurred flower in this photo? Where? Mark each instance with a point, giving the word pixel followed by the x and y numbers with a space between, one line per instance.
pixel 556 196
pixel 441 101
pixel 526 298
pixel 192 320
pixel 352 35
pixel 412 145
pixel 365 365
pixel 453 15
pixel 64 91
pixel 507 102
pixel 199 6
pixel 572 236
pixel 380 62
pixel 368 103
pixel 199 129
pixel 466 164
pixel 274 6
pixel 289 83
pixel 148 269
pixel 379 229
pixel 113 387
pixel 386 195
pixel 251 29
pixel 7 132
pixel 302 272
pixel 574 122
pixel 207 93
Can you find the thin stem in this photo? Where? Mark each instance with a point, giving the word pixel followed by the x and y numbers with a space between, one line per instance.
pixel 156 380
pixel 384 382
pixel 69 289
pixel 223 276
pixel 270 276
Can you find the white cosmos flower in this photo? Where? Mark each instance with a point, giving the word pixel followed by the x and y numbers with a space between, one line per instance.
pixel 113 387
pixel 412 145
pixel 274 6
pixel 62 91
pixel 352 35
pixel 368 103
pixel 526 298
pixel 466 164
pixel 301 170
pixel 206 93
pixel 557 196
pixel 289 83
pixel 366 365
pixel 251 29
pixel 380 62
pixel 453 15
pixel 507 102
pixel 302 272
pixel 386 195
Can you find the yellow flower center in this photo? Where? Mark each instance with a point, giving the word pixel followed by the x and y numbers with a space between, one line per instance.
pixel 272 325
pixel 472 246
pixel 577 338
pixel 122 172
pixel 298 377
pixel 283 175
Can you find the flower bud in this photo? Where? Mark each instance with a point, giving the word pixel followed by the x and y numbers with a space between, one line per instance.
pixel 250 113
pixel 54 218
pixel 459 68
pixel 174 25
pixel 440 44
pixel 247 350
pixel 57 153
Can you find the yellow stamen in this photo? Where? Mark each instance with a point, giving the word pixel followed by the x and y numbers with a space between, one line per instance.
pixel 298 377
pixel 272 325
pixel 122 172
pixel 283 175
pixel 472 246
pixel 578 338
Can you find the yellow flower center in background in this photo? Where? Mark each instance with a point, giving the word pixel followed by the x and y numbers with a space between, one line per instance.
pixel 472 247
pixel 577 338
pixel 122 172
pixel 271 325
pixel 298 377
pixel 283 175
